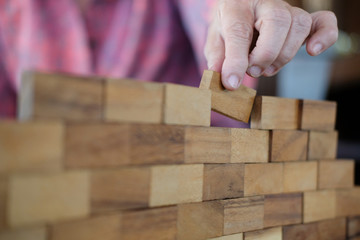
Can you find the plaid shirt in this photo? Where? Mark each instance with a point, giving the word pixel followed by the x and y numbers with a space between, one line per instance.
pixel 150 40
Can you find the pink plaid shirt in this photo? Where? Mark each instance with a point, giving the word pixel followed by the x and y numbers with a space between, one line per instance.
pixel 151 40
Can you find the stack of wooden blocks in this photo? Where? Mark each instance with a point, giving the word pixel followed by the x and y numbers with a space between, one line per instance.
pixel 98 158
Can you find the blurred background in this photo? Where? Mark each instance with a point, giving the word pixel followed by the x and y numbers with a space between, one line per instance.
pixel 334 75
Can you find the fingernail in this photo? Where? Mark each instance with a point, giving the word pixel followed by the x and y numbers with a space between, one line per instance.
pixel 233 81
pixel 270 70
pixel 255 71
pixel 317 48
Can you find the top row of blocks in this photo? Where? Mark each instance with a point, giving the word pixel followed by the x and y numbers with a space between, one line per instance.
pixel 49 96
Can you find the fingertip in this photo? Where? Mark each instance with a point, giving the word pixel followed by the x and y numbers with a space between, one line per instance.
pixel 231 82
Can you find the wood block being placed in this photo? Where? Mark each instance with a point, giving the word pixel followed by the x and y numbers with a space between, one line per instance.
pixel 249 145
pixel 336 174
pixel 282 209
pixel 50 197
pixel 300 176
pixel 185 105
pixel 322 145
pixel 236 104
pixel 34 233
pixel 353 226
pixel 347 202
pixel 124 188
pixel 55 96
pixel 307 231
pixel 157 223
pixel 263 178
pixel 100 227
pixel 207 145
pixel 217 218
pixel 238 236
pixel 133 101
pixel 30 147
pixel 266 234
pixel 275 113
pixel 90 145
pixel 222 181
pixel 176 184
pixel 288 145
pixel 319 205
pixel 318 115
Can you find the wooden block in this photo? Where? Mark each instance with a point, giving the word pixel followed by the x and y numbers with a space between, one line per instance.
pixel 156 144
pixel 3 201
pixel 54 96
pixel 266 234
pixel 218 218
pixel 275 113
pixel 157 223
pixel 243 214
pixel 200 220
pixel 34 233
pixel 133 101
pixel 91 145
pixel 116 189
pixel 319 205
pixel 318 115
pixel 333 229
pixel 207 145
pixel 263 178
pixel 30 147
pixel 222 181
pixel 300 232
pixel 249 145
pixel 236 104
pixel 185 105
pixel 347 202
pixel 336 174
pixel 300 176
pixel 238 236
pixel 176 184
pixel 282 209
pixel 322 145
pixel 43 198
pixel 288 145
pixel 353 226
pixel 99 227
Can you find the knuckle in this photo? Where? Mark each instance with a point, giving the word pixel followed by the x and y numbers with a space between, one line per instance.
pixel 281 17
pixel 302 21
pixel 238 30
pixel 268 55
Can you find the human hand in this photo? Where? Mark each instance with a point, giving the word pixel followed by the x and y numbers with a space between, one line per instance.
pixel 282 30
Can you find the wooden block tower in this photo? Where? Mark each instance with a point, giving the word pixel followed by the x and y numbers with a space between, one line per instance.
pixel 97 158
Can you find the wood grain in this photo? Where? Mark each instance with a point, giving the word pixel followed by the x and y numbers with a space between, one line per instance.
pixel 238 236
pixel 119 189
pixel 288 145
pixel 263 178
pixel 347 202
pixel 300 176
pixel 322 145
pixel 222 181
pixel 152 224
pixel 185 105
pixel 266 234
pixel 43 198
pixel 55 96
pixel 318 115
pixel 336 174
pixel 319 205
pixel 33 233
pixel 176 184
pixel 134 101
pixel 275 113
pixel 94 145
pixel 30 147
pixel 3 201
pixel 207 145
pixel 333 229
pixel 282 209
pixel 236 104
pixel 249 145
pixel 300 232
pixel 107 227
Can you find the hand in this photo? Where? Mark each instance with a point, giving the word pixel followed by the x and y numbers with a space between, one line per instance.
pixel 282 30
